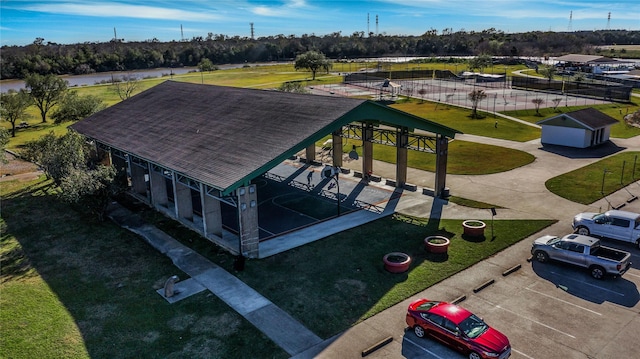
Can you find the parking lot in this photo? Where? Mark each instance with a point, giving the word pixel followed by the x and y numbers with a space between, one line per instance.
pixel 547 310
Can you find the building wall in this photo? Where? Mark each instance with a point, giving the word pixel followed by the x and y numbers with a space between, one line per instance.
pixel 565 136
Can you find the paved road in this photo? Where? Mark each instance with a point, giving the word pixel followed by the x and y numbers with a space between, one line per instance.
pixel 547 310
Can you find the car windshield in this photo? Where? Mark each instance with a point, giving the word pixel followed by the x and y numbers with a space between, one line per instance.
pixel 473 326
pixel 427 305
pixel 553 241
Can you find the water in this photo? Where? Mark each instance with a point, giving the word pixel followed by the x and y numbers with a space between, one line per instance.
pixel 102 77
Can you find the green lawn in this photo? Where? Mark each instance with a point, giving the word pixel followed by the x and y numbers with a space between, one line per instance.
pixel 585 185
pixel 460 119
pixel 75 288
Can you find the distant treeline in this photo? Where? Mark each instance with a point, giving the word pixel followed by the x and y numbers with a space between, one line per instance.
pixel 118 55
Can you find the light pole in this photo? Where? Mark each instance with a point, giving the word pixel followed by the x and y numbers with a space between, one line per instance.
pixel 604 173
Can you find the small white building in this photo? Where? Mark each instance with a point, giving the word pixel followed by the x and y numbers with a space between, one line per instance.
pixel 583 128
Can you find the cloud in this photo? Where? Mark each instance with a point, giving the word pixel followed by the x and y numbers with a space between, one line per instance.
pixel 113 9
pixel 289 8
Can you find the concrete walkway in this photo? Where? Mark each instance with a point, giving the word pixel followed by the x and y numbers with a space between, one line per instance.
pixel 275 323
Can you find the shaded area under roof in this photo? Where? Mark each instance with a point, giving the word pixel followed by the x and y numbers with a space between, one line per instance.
pixel 225 136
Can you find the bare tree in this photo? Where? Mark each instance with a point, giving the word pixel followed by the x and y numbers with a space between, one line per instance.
pixel 125 86
pixel 475 97
pixel 556 101
pixel 538 102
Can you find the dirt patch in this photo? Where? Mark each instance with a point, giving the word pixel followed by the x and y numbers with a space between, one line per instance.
pixel 181 322
pixel 16 168
pixel 222 325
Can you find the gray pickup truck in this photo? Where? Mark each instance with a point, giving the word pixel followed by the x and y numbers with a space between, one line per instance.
pixel 583 251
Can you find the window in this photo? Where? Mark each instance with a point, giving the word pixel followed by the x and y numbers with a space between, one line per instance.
pixel 450 326
pixel 434 318
pixel 620 222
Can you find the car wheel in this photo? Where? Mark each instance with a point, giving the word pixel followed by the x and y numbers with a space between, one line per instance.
pixel 474 355
pixel 542 256
pixel 583 231
pixel 638 243
pixel 419 331
pixel 597 272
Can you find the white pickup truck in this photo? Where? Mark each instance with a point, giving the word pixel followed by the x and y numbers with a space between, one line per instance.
pixel 614 224
pixel 582 251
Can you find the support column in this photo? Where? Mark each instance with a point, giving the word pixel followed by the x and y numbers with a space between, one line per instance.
pixel 184 204
pixel 248 221
pixel 442 151
pixel 337 148
pixel 402 141
pixel 211 214
pixel 311 153
pixel 158 189
pixel 138 180
pixel 367 149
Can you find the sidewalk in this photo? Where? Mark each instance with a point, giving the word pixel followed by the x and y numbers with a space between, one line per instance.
pixel 275 323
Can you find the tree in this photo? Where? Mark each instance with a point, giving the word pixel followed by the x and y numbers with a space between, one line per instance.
pixel 312 61
pixel 58 156
pixel 4 141
pixel 422 92
pixel 46 91
pixel 537 102
pixel 91 189
pixel 476 96
pixel 75 108
pixel 125 86
pixel 13 106
pixel 206 65
pixel 292 86
pixel 548 72
pixel 556 101
pixel 480 62
pixel 68 160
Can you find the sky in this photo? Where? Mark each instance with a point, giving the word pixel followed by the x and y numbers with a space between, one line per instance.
pixel 77 21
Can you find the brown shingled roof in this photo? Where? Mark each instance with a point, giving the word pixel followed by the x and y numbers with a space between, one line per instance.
pixel 216 135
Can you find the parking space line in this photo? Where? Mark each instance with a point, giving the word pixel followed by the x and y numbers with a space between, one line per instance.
pixel 563 301
pixel 537 322
pixel 587 283
pixel 521 353
pixel 423 348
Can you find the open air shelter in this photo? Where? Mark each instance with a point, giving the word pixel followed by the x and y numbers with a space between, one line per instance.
pixel 188 148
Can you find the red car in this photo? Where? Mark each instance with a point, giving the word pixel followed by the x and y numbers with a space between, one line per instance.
pixel 458 328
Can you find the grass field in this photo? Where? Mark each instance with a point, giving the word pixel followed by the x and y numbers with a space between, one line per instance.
pixel 72 287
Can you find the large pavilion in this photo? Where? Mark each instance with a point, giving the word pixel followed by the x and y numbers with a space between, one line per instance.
pixel 188 149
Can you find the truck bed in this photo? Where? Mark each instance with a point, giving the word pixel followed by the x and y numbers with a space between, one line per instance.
pixel 609 253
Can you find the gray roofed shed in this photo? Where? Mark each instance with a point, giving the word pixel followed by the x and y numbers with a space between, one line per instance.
pixel 582 128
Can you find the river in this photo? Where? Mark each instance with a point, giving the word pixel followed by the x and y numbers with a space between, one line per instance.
pixel 105 77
